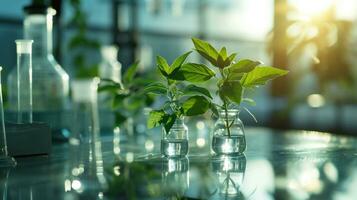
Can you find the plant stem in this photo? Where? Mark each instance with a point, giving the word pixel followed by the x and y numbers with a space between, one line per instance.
pixel 173 96
pixel 227 122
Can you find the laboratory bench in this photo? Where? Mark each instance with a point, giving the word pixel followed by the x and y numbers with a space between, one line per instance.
pixel 277 164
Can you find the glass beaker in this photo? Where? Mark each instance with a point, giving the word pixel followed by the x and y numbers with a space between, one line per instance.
pixel 175 142
pixel 86 176
pixel 5 159
pixel 228 133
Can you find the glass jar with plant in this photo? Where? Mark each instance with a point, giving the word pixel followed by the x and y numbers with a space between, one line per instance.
pixel 180 101
pixel 234 78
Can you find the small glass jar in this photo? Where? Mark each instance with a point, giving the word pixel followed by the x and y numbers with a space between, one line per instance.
pixel 228 134
pixel 175 142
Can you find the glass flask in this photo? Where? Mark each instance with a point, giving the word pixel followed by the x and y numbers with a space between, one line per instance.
pixel 175 176
pixel 228 133
pixel 23 90
pixel 5 159
pixel 50 83
pixel 109 67
pixel 229 171
pixel 85 174
pixel 175 142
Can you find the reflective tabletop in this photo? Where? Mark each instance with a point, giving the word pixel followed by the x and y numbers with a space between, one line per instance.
pixel 276 165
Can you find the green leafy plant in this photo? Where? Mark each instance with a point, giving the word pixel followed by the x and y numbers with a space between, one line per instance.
pixel 234 76
pixel 180 100
pixel 81 45
pixel 124 97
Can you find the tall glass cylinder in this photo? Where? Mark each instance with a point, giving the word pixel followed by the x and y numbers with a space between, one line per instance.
pixel 5 159
pixel 86 174
pixel 24 81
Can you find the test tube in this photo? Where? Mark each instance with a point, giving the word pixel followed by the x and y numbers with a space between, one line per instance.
pixel 5 159
pixel 24 80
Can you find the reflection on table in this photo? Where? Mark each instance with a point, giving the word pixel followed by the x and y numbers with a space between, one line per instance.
pixel 277 165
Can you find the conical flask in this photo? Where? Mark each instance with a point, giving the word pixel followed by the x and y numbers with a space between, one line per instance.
pixel 85 173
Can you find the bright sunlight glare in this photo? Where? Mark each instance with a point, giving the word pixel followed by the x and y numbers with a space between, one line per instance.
pixel 311 8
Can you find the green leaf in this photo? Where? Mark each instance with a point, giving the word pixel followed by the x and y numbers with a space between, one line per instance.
pixel 260 75
pixel 222 60
pixel 130 73
pixel 235 76
pixel 134 102
pixel 232 57
pixel 155 88
pixel 195 105
pixel 193 72
pixel 168 122
pixel 162 65
pixel 206 50
pixel 119 118
pixel 179 61
pixel 193 89
pixel 155 118
pixel 118 100
pixel 232 90
pixel 243 66
pixel 223 53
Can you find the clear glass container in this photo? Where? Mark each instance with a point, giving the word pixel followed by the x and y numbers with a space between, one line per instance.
pixel 5 159
pixel 50 83
pixel 229 171
pixel 175 142
pixel 228 133
pixel 85 173
pixel 175 176
pixel 4 178
pixel 23 90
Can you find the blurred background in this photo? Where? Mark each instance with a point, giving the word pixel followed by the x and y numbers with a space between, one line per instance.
pixel 316 40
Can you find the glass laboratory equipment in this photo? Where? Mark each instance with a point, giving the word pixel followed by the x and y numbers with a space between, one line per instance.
pixel 4 177
pixel 175 176
pixel 229 171
pixel 86 164
pixel 109 67
pixel 23 90
pixel 5 159
pixel 175 142
pixel 228 133
pixel 50 83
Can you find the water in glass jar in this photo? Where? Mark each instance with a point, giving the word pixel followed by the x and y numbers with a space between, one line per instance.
pixel 222 144
pixel 174 147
